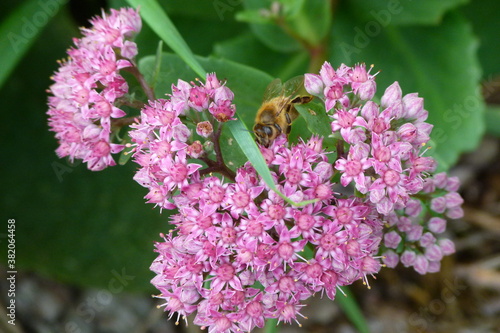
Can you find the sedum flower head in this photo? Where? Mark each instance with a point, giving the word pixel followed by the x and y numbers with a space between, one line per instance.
pixel 240 253
pixel 87 87
pixel 235 236
pixel 386 164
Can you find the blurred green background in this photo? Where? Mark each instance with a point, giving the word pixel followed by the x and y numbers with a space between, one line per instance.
pixel 78 226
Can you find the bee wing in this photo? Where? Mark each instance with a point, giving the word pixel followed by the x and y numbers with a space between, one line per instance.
pixel 293 86
pixel 274 89
pixel 290 90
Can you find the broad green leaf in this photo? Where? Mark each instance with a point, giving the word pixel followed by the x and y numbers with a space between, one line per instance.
pixel 270 34
pixel 246 49
pixel 306 22
pixel 253 16
pixel 316 118
pixel 313 21
pixel 486 27
pixel 20 29
pixel 318 123
pixel 401 12
pixel 492 120
pixel 440 63
pixel 158 20
pixel 216 10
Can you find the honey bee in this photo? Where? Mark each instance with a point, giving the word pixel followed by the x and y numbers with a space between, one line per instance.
pixel 277 111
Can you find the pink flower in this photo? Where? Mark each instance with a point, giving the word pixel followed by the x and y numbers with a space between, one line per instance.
pixel 354 166
pixel 87 86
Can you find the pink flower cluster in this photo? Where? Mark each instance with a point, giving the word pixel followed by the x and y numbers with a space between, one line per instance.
pixel 88 84
pixel 242 254
pixel 421 226
pixel 163 143
pixel 385 163
pixel 238 259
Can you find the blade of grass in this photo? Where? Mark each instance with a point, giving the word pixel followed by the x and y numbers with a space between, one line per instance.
pixel 252 152
pixel 351 309
pixel 271 326
pixel 18 32
pixel 158 20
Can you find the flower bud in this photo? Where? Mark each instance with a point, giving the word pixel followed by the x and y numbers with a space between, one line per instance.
pixel 421 264
pixel 407 132
pixel 392 95
pixel 327 73
pixel 195 150
pixel 370 110
pixel 392 239
pixel 440 179
pixel 452 184
pixel 455 212
pixel 427 239
pixel 413 207
pixel 437 225
pixel 413 106
pixel 313 84
pixel 434 267
pixel 453 199
pixel 433 253
pixel 415 233
pixel 204 129
pixel 438 204
pixel 408 258
pixel 447 246
pixel 390 258
pixel 367 90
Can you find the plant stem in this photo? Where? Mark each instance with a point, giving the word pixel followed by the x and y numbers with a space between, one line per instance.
pixel 142 81
pixel 218 165
pixel 121 122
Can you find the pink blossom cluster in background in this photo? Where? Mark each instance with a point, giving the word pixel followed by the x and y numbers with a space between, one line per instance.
pixel 87 86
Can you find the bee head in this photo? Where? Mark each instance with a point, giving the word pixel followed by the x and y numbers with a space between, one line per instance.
pixel 264 134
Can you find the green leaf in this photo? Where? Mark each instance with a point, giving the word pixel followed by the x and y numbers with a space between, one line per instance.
pixel 351 309
pixel 308 21
pixel 425 60
pixel 401 12
pixel 19 30
pixel 316 118
pixel 247 49
pixel 253 16
pixel 486 27
pixel 158 20
pixel 317 122
pixel 252 152
pixel 270 34
pixel 313 21
pixel 492 120
pixel 220 10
